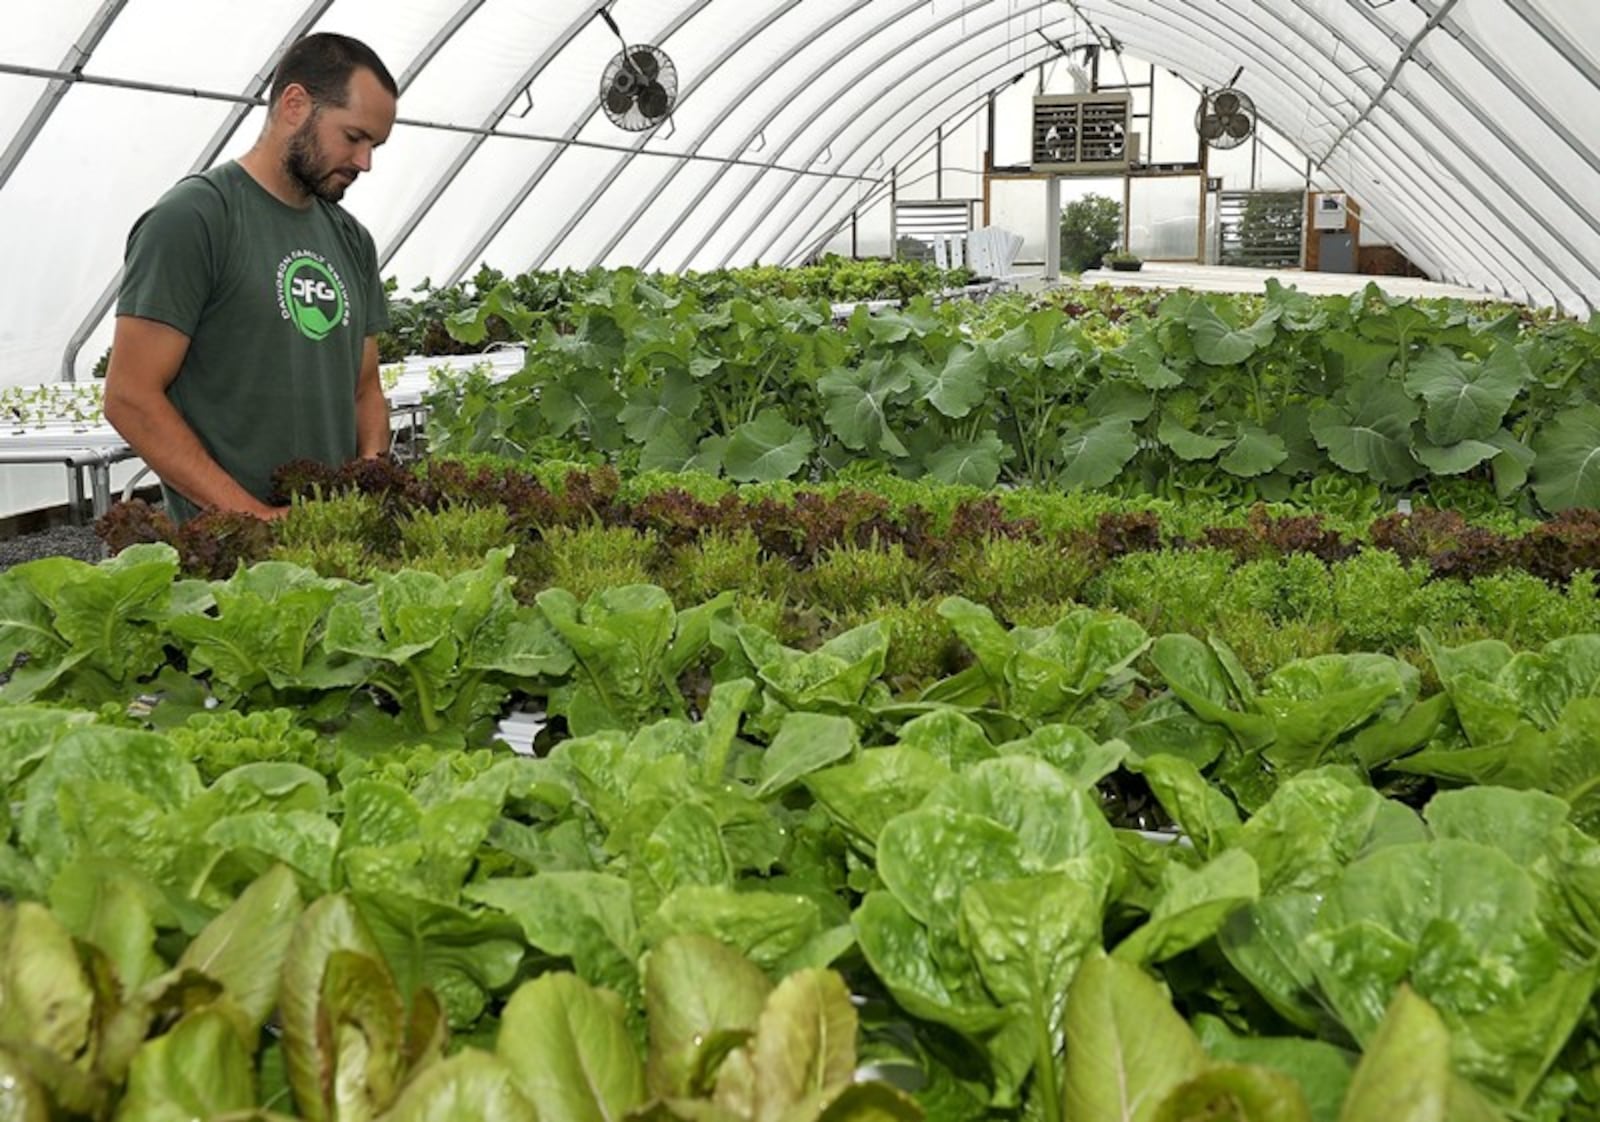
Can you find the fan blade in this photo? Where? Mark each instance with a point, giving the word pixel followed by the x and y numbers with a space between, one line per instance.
pixel 1211 126
pixel 644 61
pixel 1239 126
pixel 653 100
pixel 618 98
pixel 1226 103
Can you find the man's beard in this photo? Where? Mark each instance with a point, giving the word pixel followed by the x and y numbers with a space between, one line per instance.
pixel 304 163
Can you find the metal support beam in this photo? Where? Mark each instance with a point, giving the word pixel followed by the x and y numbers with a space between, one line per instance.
pixel 468 260
pixel 659 196
pixel 1052 226
pixel 1400 64
pixel 884 76
pixel 1412 140
pixel 832 67
pixel 1202 31
pixel 255 90
pixel 470 149
pixel 45 107
pixel 729 51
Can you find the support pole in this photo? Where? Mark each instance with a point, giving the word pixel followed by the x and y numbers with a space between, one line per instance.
pixel 1052 228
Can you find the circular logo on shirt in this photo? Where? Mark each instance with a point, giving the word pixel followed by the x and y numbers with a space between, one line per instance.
pixel 311 295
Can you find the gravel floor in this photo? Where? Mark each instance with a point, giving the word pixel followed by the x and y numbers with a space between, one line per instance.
pixel 60 541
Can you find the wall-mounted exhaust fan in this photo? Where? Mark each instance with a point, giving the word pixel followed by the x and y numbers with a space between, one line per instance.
pixel 1226 117
pixel 639 86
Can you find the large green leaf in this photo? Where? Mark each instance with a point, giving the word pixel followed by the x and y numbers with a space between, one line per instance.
pixel 959 386
pixel 48 1004
pixel 1143 355
pixel 1093 455
pixel 1236 1093
pixel 1466 399
pixel 327 926
pixel 1405 1074
pixel 1567 471
pixel 1321 1070
pixel 857 403
pixel 1455 459
pixel 1511 464
pixel 1127 1048
pixel 1220 343
pixel 968 463
pixel 244 947
pixel 804 1051
pixel 361 1030
pixel 1254 453
pixel 661 407
pixel 927 857
pixel 1185 443
pixel 1192 907
pixel 582 402
pixel 766 449
pixel 200 1069
pixel 1369 432
pixel 579 915
pixel 767 927
pixel 861 797
pixel 470 1084
pixel 570 1051
pixel 701 997
pixel 806 742
pixel 926 978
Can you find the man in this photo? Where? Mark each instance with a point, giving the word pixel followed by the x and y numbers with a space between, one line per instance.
pixel 250 300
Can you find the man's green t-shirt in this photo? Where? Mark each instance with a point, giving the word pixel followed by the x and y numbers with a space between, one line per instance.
pixel 277 303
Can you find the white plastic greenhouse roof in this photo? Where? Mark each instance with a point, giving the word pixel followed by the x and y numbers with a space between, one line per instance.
pixel 1467 128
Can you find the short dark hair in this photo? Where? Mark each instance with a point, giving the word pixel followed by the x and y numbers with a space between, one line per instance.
pixel 323 63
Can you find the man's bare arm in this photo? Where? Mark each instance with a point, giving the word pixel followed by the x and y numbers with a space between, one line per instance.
pixel 372 408
pixel 145 357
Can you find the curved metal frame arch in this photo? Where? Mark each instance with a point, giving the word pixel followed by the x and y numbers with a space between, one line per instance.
pixel 1474 107
pixel 1526 97
pixel 1398 162
pixel 431 49
pixel 1464 177
pixel 1319 61
pixel 470 148
pixel 1557 41
pixel 813 242
pixel 521 196
pixel 828 64
pixel 256 88
pixel 44 108
pixel 1158 57
pixel 797 212
pixel 710 130
pixel 832 64
pixel 1167 16
pixel 908 104
pixel 855 80
pixel 622 163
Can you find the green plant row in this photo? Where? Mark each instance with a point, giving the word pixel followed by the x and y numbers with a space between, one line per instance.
pixel 420 321
pixel 1214 395
pixel 715 881
pixel 811 563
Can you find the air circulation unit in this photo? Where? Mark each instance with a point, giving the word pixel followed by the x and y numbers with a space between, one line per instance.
pixel 639 86
pixel 1226 117
pixel 1082 134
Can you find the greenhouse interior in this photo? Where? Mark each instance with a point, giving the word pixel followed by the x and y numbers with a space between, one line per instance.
pixel 805 561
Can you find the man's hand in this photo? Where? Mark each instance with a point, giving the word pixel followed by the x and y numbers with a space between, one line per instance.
pixel 145 357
